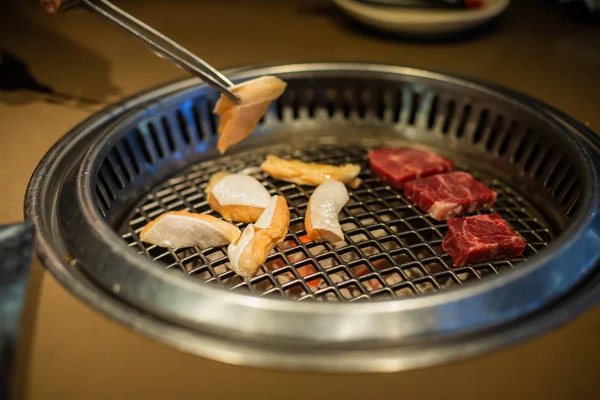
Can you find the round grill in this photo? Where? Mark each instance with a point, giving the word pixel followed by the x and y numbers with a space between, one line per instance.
pixel 154 153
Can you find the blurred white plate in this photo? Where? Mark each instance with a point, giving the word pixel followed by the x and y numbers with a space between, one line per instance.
pixel 422 21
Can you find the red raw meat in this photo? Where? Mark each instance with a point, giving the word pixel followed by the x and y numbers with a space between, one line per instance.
pixel 481 238
pixel 449 195
pixel 400 165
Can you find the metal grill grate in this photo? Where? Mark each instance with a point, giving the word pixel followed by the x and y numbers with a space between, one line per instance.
pixel 391 248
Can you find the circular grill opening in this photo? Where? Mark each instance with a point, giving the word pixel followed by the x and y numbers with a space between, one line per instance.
pixel 389 286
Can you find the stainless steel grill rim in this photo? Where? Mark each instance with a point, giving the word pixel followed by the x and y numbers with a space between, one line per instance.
pixel 352 316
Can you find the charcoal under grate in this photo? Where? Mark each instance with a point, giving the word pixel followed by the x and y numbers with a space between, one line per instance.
pixel 391 250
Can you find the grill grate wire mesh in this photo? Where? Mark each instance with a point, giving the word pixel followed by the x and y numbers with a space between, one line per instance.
pixel 391 249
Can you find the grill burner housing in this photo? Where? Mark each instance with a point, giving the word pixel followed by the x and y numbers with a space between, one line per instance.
pixel 156 152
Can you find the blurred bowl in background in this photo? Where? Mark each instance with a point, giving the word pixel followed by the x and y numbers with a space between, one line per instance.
pixel 422 22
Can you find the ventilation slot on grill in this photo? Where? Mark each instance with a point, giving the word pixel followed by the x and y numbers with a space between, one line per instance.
pixel 285 105
pixel 482 124
pixel 433 113
pixel 361 106
pixel 168 134
pixel 398 104
pixel 311 103
pixel 460 130
pixel 523 141
pixel 158 148
pixel 279 109
pixel 574 206
pixel 117 154
pixel 144 147
pixel 131 155
pixel 554 172
pixel 564 184
pixel 542 165
pixel 506 139
pixel 105 196
pixel 533 155
pixel 105 186
pixel 184 127
pixel 379 104
pixel 495 133
pixel 451 109
pixel 213 119
pixel 415 102
pixel 570 189
pixel 102 203
pixel 113 171
pixel 198 123
pixel 331 98
pixel 347 103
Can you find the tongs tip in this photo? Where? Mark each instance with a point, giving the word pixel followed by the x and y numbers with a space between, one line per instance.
pixel 231 96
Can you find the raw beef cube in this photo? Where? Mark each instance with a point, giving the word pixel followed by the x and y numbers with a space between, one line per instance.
pixel 400 165
pixel 449 195
pixel 481 238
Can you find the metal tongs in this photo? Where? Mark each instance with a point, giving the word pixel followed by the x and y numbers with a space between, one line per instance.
pixel 159 43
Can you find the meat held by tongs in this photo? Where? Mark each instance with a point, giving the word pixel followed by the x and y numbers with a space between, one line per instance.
pixel 239 120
